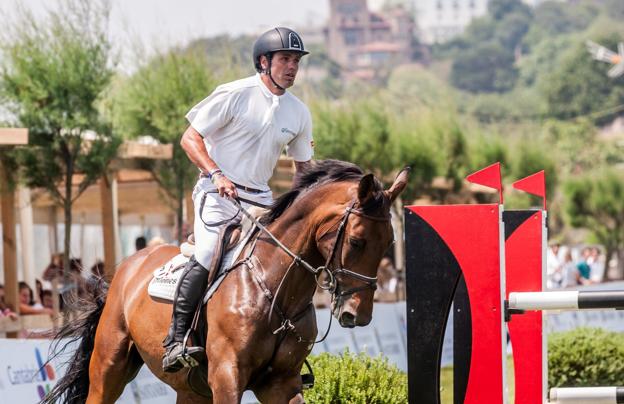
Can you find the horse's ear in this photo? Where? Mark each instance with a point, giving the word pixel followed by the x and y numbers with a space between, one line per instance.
pixel 400 182
pixel 367 188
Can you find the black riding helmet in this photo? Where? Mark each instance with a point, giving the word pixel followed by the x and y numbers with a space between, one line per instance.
pixel 274 40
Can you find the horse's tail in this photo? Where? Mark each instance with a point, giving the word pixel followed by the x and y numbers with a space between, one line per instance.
pixel 73 387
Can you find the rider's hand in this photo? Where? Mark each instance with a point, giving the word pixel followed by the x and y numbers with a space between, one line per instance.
pixel 225 186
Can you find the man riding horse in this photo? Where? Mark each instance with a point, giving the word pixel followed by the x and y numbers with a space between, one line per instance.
pixel 235 138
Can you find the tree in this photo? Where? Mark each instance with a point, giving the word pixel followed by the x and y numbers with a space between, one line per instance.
pixel 544 57
pixel 553 19
pixel 498 9
pixel 154 102
pixel 487 67
pixel 580 86
pixel 53 75
pixel 225 54
pixel 578 147
pixel 413 87
pixel 530 157
pixel 485 59
pixel 596 202
pixel 367 134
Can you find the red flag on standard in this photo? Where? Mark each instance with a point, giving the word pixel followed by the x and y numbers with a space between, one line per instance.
pixel 534 184
pixel 489 176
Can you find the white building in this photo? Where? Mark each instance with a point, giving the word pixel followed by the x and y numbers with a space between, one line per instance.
pixel 441 20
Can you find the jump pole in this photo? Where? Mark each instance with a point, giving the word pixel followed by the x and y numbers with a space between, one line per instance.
pixel 567 300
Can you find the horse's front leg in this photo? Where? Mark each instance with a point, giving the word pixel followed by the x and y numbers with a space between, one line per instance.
pixel 281 389
pixel 227 378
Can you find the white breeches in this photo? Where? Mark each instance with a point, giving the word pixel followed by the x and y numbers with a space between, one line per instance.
pixel 217 209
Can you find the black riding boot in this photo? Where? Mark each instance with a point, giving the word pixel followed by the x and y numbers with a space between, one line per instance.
pixel 191 287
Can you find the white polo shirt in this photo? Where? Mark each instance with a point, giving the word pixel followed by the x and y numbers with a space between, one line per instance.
pixel 246 127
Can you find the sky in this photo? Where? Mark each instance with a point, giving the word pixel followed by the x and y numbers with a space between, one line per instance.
pixel 167 23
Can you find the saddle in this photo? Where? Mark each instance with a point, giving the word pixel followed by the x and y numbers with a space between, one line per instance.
pixel 231 242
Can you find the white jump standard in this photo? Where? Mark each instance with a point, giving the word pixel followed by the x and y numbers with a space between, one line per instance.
pixel 566 300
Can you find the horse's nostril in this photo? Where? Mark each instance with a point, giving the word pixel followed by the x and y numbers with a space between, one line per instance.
pixel 347 320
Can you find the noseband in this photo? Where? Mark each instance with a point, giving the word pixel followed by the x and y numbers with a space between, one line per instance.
pixel 334 285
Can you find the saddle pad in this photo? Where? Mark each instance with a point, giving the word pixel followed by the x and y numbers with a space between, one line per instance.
pixel 165 281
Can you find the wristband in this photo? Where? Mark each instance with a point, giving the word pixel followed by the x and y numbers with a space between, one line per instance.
pixel 214 172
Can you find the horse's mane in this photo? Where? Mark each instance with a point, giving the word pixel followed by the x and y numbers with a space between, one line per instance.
pixel 316 173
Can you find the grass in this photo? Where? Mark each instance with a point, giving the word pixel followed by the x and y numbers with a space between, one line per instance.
pixel 446 383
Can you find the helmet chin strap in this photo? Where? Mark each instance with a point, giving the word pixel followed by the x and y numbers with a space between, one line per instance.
pixel 268 72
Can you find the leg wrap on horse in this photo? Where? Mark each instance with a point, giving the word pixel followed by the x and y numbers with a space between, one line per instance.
pixel 191 287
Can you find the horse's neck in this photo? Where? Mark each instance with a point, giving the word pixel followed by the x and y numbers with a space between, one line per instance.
pixel 299 285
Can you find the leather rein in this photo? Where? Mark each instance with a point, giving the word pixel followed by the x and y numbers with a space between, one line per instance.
pixel 332 284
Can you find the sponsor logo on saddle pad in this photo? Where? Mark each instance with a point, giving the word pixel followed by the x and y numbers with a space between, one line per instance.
pixel 163 285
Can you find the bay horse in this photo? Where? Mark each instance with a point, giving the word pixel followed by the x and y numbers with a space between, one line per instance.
pixel 261 323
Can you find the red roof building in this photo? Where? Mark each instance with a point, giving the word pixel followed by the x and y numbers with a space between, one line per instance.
pixel 360 40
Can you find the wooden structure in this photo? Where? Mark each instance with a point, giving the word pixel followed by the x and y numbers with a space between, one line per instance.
pixel 9 137
pixel 31 322
pixel 127 153
pixel 105 197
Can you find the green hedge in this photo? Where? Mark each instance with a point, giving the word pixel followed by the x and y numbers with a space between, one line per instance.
pixel 356 379
pixel 586 357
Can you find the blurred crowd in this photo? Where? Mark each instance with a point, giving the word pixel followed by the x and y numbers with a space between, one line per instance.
pixel 568 267
pixel 44 295
pixel 56 282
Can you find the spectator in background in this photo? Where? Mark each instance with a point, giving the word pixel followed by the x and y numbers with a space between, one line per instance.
pixel 386 281
pixel 571 276
pixel 554 267
pixel 39 289
pixel 5 310
pixel 26 303
pixel 46 299
pixel 140 243
pixel 596 265
pixel 54 268
pixel 583 266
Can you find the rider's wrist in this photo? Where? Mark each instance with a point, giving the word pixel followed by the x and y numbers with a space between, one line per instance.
pixel 212 173
pixel 215 174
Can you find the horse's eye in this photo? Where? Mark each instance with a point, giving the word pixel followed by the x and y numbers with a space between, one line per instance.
pixel 357 242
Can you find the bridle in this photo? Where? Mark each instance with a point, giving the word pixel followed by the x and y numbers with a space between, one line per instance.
pixel 332 284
